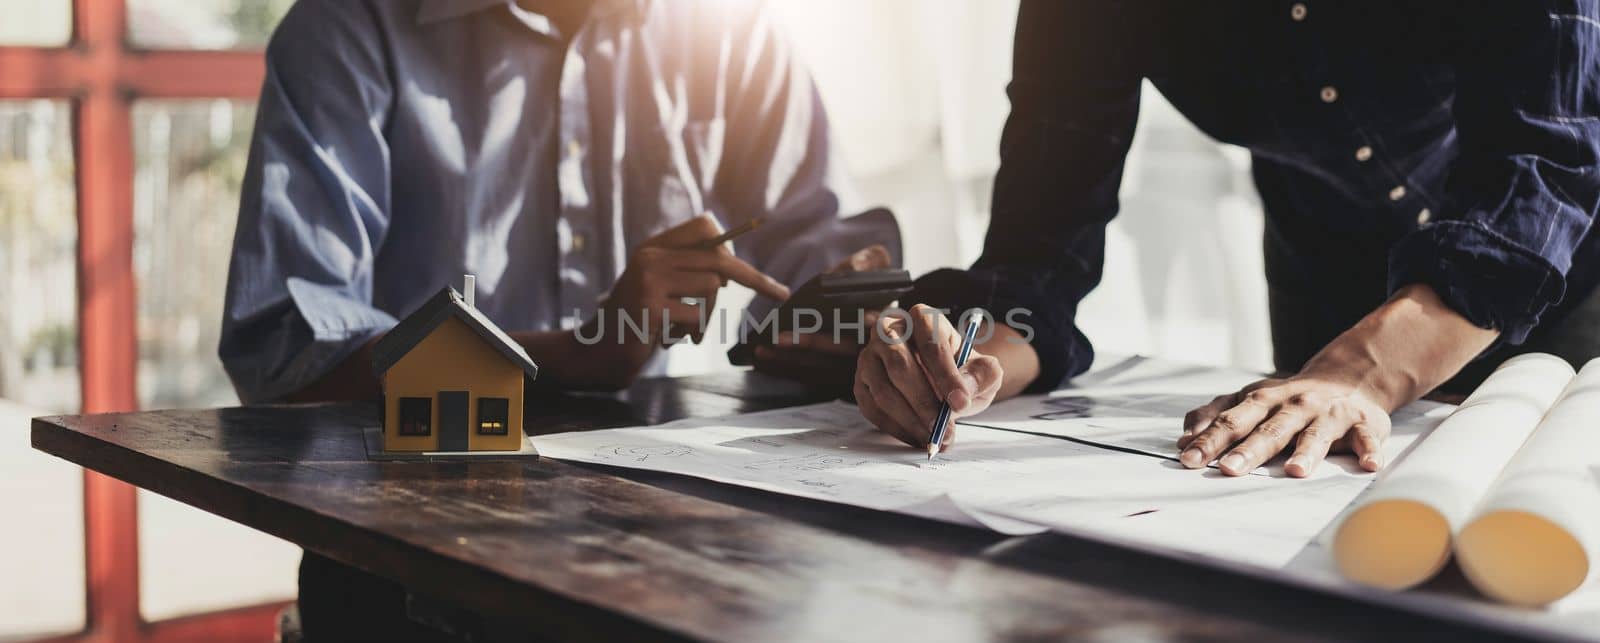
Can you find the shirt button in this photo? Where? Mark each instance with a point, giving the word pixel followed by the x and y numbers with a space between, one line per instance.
pixel 1364 153
pixel 1298 11
pixel 577 243
pixel 1329 94
pixel 574 148
pixel 1399 192
pixel 1424 216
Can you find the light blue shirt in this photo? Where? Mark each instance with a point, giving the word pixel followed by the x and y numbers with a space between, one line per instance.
pixel 402 144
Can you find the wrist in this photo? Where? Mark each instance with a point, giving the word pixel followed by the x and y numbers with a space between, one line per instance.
pixel 581 359
pixel 1019 362
pixel 1409 345
pixel 1353 362
pixel 610 356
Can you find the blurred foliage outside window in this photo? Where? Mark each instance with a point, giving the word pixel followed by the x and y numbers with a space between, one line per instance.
pixel 203 24
pixel 189 158
pixel 38 256
pixel 152 24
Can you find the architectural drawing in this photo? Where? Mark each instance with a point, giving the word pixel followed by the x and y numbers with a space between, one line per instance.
pixel 808 462
pixel 1025 464
pixel 641 453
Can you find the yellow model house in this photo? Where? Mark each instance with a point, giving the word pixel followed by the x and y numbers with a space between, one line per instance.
pixel 452 380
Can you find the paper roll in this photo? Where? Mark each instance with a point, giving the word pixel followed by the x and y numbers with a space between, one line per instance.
pixel 1399 534
pixel 1535 536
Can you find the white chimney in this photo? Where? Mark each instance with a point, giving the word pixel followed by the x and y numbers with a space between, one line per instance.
pixel 470 291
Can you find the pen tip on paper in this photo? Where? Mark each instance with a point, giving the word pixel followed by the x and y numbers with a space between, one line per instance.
pixel 933 450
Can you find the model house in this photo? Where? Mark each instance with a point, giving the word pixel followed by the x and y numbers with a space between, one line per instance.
pixel 452 380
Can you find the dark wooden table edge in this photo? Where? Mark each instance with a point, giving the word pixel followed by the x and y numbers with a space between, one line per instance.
pixel 426 569
pixel 1478 628
pixel 193 488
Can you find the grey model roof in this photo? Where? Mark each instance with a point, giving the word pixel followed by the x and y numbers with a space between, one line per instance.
pixel 445 305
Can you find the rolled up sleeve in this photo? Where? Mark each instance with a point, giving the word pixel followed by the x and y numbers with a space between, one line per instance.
pixel 1525 187
pixel 314 205
pixel 1074 105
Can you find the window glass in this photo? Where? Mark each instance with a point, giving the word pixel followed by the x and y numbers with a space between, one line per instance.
pixel 38 256
pixel 416 415
pixel 189 160
pixel 36 23
pixel 203 24
pixel 42 564
pixel 493 415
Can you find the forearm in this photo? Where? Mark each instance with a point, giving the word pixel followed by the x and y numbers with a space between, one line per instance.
pixel 566 362
pixel 1408 346
pixel 351 379
pixel 1017 358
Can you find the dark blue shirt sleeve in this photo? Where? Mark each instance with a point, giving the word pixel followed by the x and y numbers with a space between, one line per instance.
pixel 1074 104
pixel 1525 185
pixel 314 206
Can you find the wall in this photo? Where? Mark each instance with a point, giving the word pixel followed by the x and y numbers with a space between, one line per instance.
pixel 915 91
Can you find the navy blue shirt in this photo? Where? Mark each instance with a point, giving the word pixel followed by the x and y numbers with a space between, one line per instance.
pixel 400 144
pixel 1449 144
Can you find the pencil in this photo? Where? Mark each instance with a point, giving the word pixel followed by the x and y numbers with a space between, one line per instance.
pixel 736 232
pixel 967 335
pixel 712 243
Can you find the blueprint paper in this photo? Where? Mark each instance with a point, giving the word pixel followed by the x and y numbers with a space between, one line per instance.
pixel 1095 460
pixel 826 451
pixel 1117 472
pixel 1134 408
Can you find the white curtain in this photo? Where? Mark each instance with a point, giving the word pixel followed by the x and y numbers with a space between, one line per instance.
pixel 915 90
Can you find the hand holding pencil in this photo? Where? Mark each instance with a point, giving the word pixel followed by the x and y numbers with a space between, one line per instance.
pixel 942 421
pixel 909 370
pixel 676 275
pixel 735 233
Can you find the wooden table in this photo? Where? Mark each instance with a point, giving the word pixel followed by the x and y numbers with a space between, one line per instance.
pixel 584 553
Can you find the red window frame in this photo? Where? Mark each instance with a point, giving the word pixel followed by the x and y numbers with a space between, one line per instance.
pixel 101 73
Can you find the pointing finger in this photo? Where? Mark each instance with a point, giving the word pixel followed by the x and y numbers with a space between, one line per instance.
pixel 735 269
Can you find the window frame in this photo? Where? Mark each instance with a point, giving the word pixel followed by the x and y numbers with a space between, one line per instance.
pixel 498 410
pixel 102 75
pixel 419 407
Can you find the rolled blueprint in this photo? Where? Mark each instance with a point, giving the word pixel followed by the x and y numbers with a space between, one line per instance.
pixel 1535 536
pixel 1399 534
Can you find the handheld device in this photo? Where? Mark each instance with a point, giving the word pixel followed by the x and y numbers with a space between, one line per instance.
pixel 841 296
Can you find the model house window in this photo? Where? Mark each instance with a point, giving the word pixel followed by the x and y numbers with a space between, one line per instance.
pixel 416 416
pixel 494 415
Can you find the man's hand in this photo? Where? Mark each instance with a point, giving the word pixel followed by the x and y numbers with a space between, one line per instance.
pixel 1343 397
pixel 907 370
pixel 1315 413
pixel 666 273
pixel 823 358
